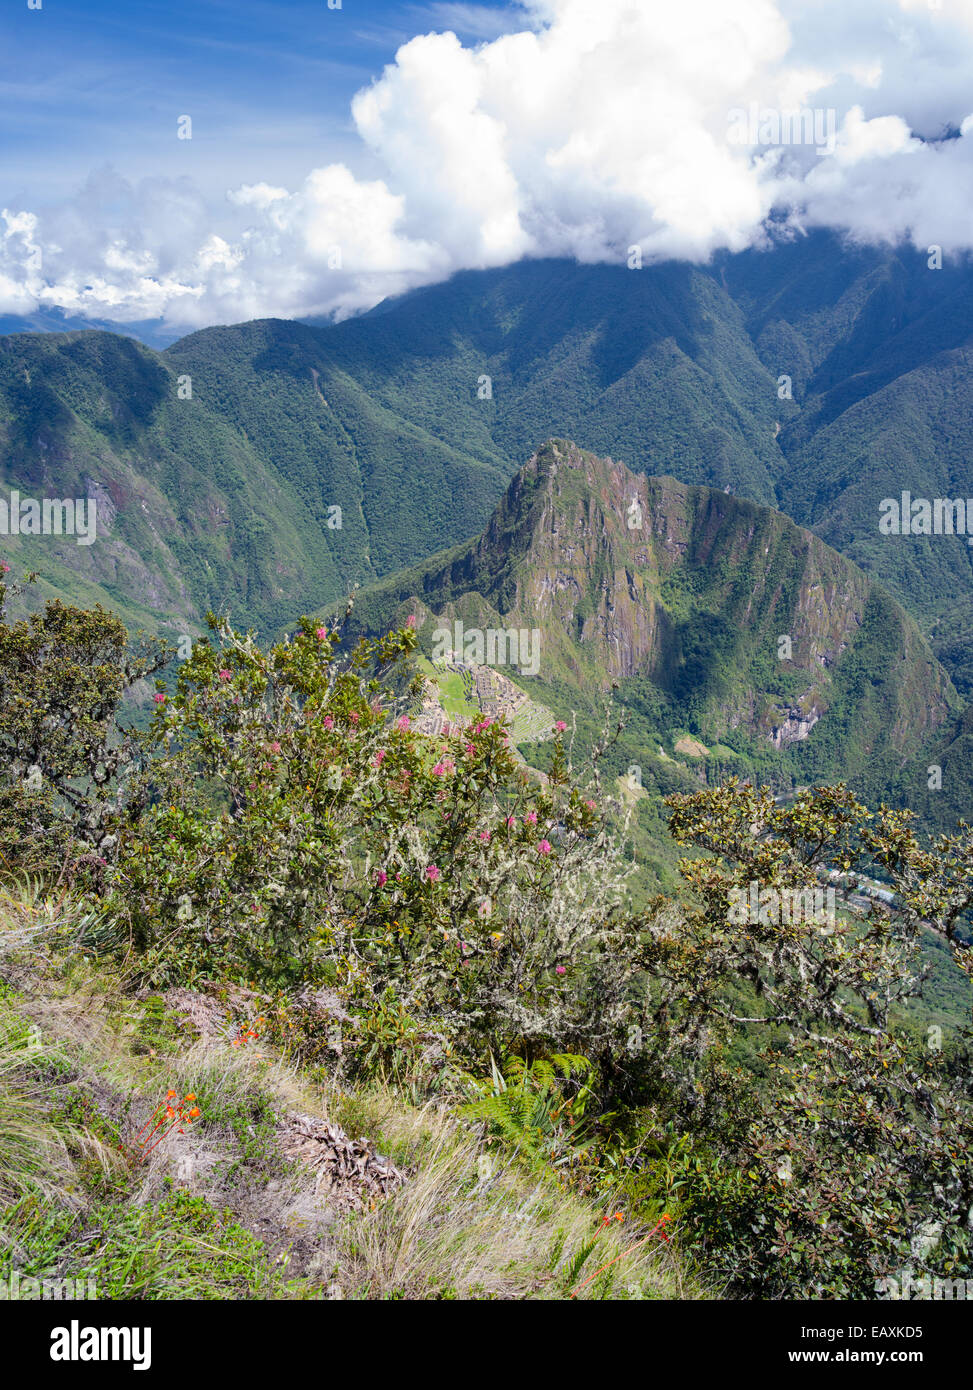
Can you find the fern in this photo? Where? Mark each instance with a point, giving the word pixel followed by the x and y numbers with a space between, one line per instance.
pixel 526 1106
pixel 572 1271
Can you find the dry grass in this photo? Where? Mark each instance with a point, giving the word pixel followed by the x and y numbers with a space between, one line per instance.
pixel 465 1225
pixel 33 1151
pixel 470 1225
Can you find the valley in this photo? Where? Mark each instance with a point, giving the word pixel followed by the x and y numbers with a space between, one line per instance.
pixel 486 670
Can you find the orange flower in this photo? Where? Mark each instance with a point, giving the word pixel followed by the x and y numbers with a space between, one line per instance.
pixel 170 1094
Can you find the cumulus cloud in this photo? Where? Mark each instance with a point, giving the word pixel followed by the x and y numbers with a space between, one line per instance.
pixel 594 126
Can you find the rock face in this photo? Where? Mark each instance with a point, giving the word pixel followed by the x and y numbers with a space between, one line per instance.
pixel 737 616
pixel 794 728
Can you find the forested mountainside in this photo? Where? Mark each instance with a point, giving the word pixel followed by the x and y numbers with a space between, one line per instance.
pixel 714 618
pixel 816 378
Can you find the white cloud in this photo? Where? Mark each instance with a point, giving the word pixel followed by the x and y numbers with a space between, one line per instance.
pixel 596 125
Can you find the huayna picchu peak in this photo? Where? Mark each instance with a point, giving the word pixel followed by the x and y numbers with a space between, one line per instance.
pixel 716 614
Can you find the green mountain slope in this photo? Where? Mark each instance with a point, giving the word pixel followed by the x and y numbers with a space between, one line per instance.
pixel 653 365
pixel 880 349
pixel 732 636
pixel 223 498
pixel 413 418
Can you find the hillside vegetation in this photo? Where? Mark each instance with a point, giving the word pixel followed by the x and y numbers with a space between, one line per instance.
pixel 413 419
pixel 298 1002
pixel 680 597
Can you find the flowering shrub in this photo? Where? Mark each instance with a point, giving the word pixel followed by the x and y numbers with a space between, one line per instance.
pixel 302 833
pixel 246 1034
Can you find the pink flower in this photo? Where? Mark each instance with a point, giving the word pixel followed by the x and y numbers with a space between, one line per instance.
pixel 321 633
pixel 470 750
pixel 530 818
pixel 544 847
pixel 404 723
pixel 485 836
pixel 225 674
pixel 560 970
pixel 160 699
pixel 410 620
pixel 4 566
pixel 328 722
pixel 354 716
pixel 432 873
pixel 511 820
pixel 378 757
pixel 464 946
pixel 590 805
pixel 439 770
pixel 560 726
pixel 381 878
pixel 275 747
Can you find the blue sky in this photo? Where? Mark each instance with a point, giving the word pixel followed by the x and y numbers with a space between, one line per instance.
pixel 342 155
pixel 268 83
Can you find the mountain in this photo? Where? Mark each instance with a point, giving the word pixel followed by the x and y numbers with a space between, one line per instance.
pixel 153 332
pixel 218 489
pixel 880 348
pixel 815 377
pixel 733 636
pixel 676 370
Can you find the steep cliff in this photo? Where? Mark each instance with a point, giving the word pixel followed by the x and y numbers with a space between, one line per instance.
pixel 719 614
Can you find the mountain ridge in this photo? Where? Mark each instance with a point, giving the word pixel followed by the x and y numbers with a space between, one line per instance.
pixel 413 419
pixel 679 596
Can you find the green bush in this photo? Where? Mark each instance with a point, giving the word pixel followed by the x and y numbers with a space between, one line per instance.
pixel 63 758
pixel 302 835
